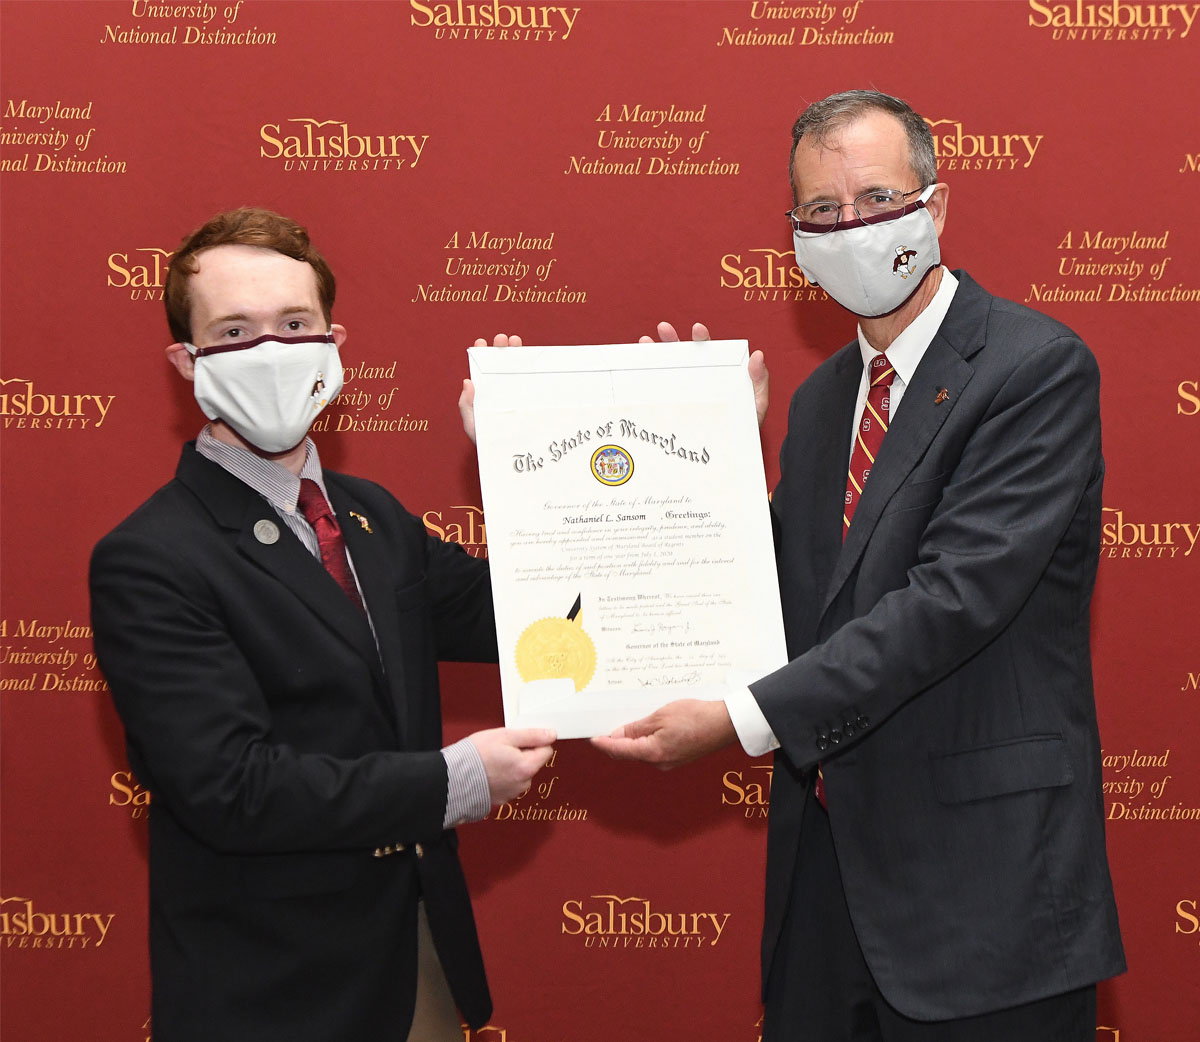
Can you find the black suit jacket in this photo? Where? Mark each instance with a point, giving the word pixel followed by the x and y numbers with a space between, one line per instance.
pixel 298 787
pixel 940 666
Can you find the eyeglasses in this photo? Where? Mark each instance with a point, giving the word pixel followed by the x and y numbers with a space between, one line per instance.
pixel 825 214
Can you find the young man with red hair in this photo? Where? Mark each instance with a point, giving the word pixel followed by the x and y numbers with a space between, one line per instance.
pixel 270 631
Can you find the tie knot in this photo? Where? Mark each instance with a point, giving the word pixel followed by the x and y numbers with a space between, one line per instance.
pixel 312 502
pixel 881 369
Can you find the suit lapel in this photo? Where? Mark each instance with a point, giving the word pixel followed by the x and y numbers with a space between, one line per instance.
pixel 289 561
pixel 831 455
pixel 376 572
pixel 262 538
pixel 922 412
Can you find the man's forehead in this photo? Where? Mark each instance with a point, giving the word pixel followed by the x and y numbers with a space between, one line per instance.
pixel 236 281
pixel 872 127
pixel 237 270
pixel 874 143
pixel 241 255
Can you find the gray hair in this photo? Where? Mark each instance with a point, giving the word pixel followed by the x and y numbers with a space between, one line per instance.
pixel 822 119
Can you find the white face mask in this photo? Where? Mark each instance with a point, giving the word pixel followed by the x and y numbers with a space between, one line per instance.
pixel 871 269
pixel 269 390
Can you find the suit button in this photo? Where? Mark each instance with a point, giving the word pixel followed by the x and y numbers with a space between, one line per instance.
pixel 379 852
pixel 420 850
pixel 848 729
pixel 835 736
pixel 822 742
pixel 863 721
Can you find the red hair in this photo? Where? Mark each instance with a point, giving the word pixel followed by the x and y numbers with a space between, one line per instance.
pixel 247 226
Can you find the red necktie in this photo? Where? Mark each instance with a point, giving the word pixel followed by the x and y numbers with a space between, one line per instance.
pixel 871 429
pixel 319 514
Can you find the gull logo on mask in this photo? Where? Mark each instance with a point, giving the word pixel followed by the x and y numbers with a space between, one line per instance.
pixel 901 265
pixel 269 390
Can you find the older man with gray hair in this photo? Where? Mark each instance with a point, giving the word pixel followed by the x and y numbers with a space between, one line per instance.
pixel 936 868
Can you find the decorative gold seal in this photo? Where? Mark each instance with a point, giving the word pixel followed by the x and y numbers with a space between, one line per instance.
pixel 612 465
pixel 550 649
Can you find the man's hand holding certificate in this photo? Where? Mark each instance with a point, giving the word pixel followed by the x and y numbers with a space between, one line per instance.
pixel 628 530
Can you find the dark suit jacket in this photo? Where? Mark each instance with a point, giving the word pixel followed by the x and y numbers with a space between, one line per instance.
pixel 283 750
pixel 940 666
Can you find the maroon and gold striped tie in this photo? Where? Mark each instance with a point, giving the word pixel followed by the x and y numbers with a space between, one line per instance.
pixel 871 429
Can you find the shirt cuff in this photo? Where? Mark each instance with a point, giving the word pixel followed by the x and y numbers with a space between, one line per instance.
pixel 468 797
pixel 752 728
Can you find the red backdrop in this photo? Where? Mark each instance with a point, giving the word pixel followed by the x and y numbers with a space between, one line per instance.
pixel 621 162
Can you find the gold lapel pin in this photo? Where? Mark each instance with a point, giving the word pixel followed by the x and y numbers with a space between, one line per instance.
pixel 942 395
pixel 366 525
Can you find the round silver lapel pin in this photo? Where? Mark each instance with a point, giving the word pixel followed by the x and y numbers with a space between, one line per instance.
pixel 266 532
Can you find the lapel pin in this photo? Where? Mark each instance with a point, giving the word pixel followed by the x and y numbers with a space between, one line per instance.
pixel 266 532
pixel 942 395
pixel 366 525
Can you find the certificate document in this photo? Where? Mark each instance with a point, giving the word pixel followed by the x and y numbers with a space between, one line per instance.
pixel 628 529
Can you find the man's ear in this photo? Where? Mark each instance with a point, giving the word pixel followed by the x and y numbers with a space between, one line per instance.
pixel 937 205
pixel 181 359
pixel 339 335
